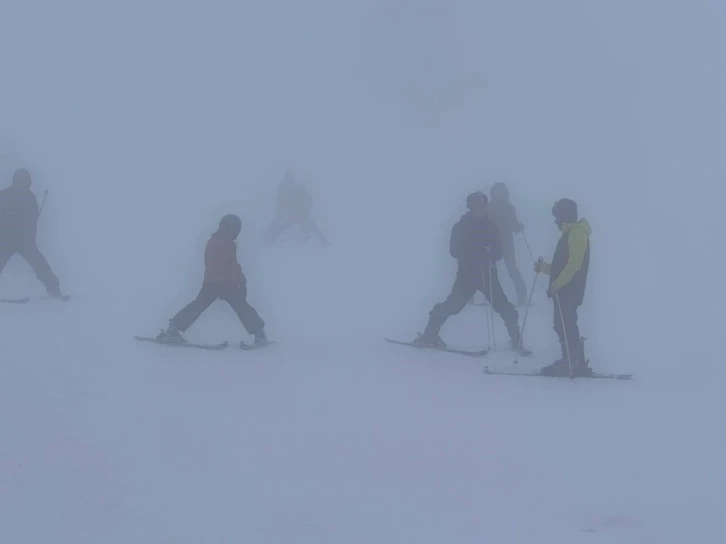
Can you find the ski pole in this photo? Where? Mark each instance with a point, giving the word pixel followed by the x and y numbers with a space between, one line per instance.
pixel 526 313
pixel 490 326
pixel 526 243
pixel 489 331
pixel 42 204
pixel 564 333
pixel 491 303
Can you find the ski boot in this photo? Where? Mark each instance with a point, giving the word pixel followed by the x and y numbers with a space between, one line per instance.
pixel 521 350
pixel 261 339
pixel 55 293
pixel 560 368
pixel 516 343
pixel 432 340
pixel 172 335
pixel 583 367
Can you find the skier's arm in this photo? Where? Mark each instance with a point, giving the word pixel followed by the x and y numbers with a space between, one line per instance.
pixel 35 214
pixel 455 243
pixel 542 267
pixel 516 225
pixel 577 245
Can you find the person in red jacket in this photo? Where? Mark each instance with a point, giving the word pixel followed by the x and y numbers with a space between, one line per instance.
pixel 223 279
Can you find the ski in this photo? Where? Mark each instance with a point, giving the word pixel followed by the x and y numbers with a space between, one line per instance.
pixel 251 347
pixel 595 375
pixel 467 353
pixel 25 300
pixel 15 300
pixel 215 347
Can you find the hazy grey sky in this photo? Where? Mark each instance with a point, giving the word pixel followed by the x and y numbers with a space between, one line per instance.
pixel 390 109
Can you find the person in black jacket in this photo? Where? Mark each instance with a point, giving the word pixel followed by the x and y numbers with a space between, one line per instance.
pixel 19 214
pixel 502 212
pixel 476 245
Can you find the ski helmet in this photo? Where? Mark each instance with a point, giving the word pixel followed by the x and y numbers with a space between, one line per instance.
pixel 476 200
pixel 21 178
pixel 500 191
pixel 231 224
pixel 565 211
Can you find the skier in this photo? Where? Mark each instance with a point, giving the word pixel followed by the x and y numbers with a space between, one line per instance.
pixel 568 277
pixel 502 212
pixel 294 206
pixel 476 245
pixel 223 279
pixel 19 214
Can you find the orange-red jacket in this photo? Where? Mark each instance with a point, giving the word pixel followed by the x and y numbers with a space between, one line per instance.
pixel 220 261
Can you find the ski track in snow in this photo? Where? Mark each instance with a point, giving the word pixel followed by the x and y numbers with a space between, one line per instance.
pixel 333 435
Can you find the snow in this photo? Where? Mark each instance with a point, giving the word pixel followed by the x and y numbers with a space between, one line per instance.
pixel 147 121
pixel 333 435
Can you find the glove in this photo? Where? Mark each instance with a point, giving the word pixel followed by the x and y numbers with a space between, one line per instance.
pixel 552 291
pixel 538 265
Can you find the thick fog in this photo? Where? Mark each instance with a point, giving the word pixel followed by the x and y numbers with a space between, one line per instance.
pixel 148 121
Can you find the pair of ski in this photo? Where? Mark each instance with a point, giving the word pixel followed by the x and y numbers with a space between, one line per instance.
pixel 211 347
pixel 25 300
pixel 487 370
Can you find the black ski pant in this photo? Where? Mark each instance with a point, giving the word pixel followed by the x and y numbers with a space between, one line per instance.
pixel 468 282
pixel 307 226
pixel 32 255
pixel 565 325
pixel 236 297
pixel 510 262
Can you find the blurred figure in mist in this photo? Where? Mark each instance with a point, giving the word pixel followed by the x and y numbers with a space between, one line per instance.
pixel 19 214
pixel 502 212
pixel 294 207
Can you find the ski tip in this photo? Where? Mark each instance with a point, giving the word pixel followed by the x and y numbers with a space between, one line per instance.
pixel 16 300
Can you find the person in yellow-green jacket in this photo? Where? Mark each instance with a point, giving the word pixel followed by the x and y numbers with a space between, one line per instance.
pixel 568 278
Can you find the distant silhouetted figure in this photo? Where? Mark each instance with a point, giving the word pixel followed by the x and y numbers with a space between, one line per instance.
pixel 19 214
pixel 502 212
pixel 294 207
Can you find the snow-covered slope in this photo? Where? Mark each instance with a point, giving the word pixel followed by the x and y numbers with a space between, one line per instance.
pixel 147 121
pixel 333 435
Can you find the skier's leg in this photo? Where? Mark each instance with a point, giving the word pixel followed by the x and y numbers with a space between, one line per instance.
pixel 42 269
pixel 309 226
pixel 5 253
pixel 501 305
pixel 186 317
pixel 568 332
pixel 464 288
pixel 510 262
pixel 275 229
pixel 248 316
pixel 571 328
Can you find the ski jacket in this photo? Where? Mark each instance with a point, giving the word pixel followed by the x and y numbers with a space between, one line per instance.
pixel 220 262
pixel 18 215
pixel 571 261
pixel 294 202
pixel 475 241
pixel 505 218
